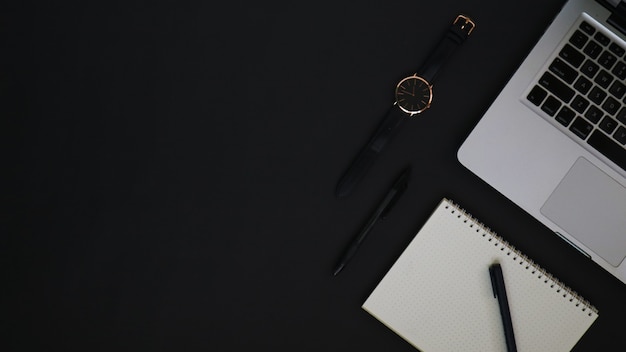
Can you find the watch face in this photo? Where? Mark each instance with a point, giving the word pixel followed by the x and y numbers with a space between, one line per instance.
pixel 413 95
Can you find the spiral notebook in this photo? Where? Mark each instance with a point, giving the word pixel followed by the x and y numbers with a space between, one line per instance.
pixel 438 294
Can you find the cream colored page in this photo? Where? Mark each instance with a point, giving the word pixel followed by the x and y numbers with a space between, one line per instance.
pixel 438 294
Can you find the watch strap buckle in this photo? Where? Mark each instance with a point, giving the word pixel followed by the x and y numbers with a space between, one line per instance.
pixel 465 24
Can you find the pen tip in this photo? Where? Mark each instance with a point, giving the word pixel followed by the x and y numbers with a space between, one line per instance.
pixel 337 270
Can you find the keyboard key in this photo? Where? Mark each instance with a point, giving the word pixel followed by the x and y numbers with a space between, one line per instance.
pixel 556 87
pixel 607 60
pixel 583 85
pixel 621 117
pixel 592 49
pixel 620 70
pixel 611 105
pixel 563 70
pixel 616 49
pixel 603 79
pixel 608 148
pixel 587 28
pixel 594 114
pixel 571 55
pixel 620 135
pixel 537 95
pixel 617 89
pixel 608 125
pixel 581 127
pixel 565 116
pixel 590 68
pixel 602 39
pixel 578 39
pixel 551 105
pixel 580 104
pixel 597 95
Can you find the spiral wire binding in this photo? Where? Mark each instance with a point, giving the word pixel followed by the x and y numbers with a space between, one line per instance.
pixel 547 277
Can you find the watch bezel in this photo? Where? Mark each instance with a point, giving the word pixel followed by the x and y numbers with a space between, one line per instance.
pixel 430 96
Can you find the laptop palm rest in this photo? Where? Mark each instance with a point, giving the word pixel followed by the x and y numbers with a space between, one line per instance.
pixel 584 191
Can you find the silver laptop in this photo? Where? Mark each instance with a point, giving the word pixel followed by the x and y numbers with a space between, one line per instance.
pixel 554 139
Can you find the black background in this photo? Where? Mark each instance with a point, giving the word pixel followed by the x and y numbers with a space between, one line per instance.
pixel 169 169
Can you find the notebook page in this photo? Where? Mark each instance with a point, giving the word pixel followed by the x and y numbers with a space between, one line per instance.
pixel 438 294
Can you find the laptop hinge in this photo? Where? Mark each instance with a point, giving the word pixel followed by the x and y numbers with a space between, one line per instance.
pixel 618 18
pixel 618 13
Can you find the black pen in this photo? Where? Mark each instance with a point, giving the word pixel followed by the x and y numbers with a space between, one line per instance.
pixel 381 211
pixel 499 291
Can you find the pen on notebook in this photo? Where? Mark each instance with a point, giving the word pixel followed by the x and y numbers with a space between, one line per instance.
pixel 396 190
pixel 499 291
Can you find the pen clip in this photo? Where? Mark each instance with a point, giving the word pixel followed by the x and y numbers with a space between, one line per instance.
pixel 492 275
pixel 398 187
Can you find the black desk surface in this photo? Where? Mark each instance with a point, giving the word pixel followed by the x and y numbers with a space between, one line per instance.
pixel 169 169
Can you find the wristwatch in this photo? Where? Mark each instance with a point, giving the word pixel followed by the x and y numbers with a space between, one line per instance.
pixel 414 95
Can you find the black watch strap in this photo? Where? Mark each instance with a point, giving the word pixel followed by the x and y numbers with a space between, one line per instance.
pixel 458 32
pixel 456 35
pixel 364 160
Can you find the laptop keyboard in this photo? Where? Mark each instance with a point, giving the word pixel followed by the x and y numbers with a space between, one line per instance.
pixel 584 90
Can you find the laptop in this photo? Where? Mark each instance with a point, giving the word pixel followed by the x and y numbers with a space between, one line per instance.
pixel 554 139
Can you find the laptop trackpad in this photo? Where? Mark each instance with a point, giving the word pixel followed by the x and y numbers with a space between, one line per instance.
pixel 591 206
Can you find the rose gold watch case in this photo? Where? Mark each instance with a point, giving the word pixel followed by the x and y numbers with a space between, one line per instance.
pixel 426 103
